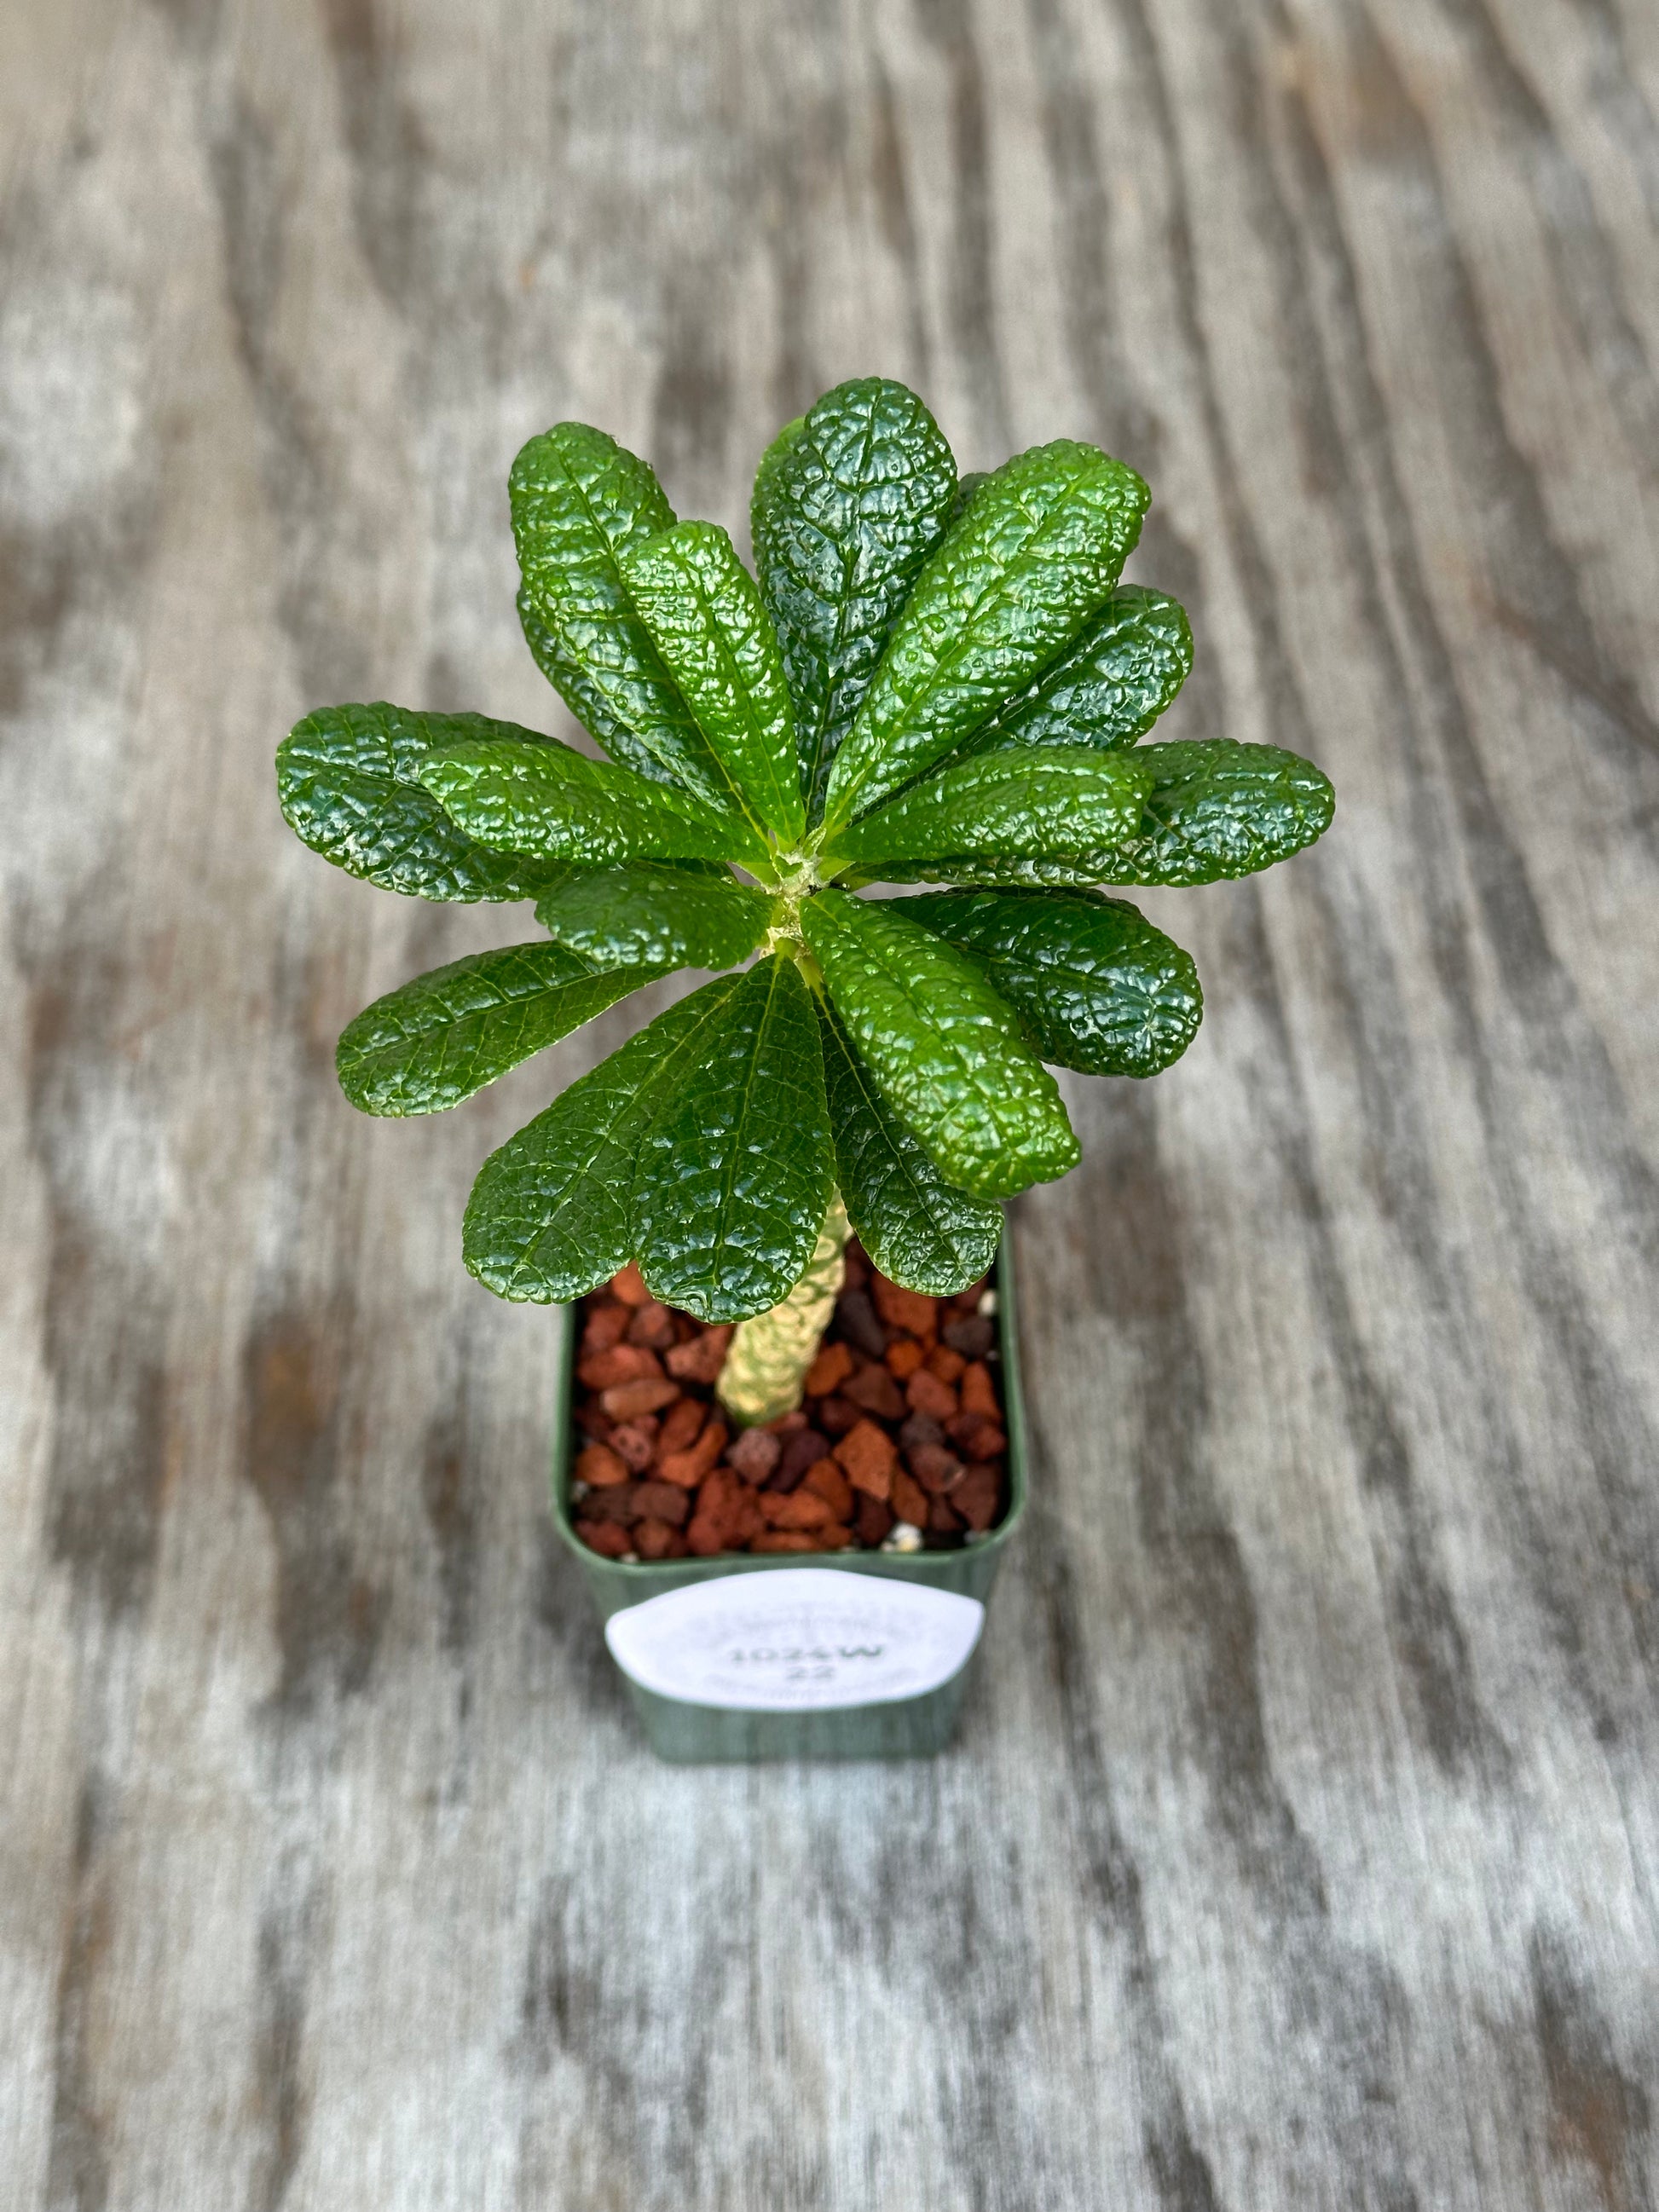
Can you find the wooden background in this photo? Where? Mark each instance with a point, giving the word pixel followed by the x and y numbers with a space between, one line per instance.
pixel 1303 1847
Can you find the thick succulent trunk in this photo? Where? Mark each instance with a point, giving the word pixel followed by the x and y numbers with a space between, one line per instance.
pixel 770 1356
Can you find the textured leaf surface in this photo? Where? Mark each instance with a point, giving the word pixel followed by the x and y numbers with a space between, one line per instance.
pixel 654 914
pixel 1215 809
pixel 736 1172
pixel 946 1051
pixel 1111 687
pixel 551 1216
pixel 346 777
pixel 1096 986
pixel 580 501
pixel 701 607
pixel 1022 803
pixel 556 803
pixel 570 681
pixel 917 1229
pixel 437 1040
pixel 1033 555
pixel 849 501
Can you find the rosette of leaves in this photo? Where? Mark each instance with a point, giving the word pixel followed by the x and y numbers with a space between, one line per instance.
pixel 923 682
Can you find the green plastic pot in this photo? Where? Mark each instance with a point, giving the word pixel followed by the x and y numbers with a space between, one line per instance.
pixel 692 1734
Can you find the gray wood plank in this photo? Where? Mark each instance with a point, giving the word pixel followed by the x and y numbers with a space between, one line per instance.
pixel 1302 1848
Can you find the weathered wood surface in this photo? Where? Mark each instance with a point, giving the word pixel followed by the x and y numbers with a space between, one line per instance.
pixel 1303 1849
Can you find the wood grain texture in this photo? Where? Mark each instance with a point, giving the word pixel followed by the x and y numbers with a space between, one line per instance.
pixel 1303 1847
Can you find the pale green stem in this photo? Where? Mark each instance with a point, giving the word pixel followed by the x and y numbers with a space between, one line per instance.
pixel 768 1357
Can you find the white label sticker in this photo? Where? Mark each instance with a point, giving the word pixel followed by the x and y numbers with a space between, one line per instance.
pixel 795 1639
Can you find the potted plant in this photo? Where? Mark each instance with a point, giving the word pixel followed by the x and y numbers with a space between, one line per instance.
pixel 927 680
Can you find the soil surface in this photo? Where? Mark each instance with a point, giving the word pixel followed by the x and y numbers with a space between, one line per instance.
pixel 899 1443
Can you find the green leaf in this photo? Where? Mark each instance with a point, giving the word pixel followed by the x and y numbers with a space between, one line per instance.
pixel 346 780
pixel 917 1229
pixel 1215 809
pixel 1106 689
pixel 1099 988
pixel 580 501
pixel 701 606
pixel 736 1172
pixel 967 486
pixel 849 501
pixel 551 1216
pixel 656 914
pixel 556 803
pixel 1036 551
pixel 1019 804
pixel 945 1048
pixel 570 681
pixel 437 1040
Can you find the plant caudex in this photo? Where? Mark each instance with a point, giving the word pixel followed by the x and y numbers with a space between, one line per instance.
pixel 926 682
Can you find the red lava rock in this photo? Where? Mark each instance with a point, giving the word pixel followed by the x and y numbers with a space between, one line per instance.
pixel 977 1438
pixel 700 1358
pixel 831 1368
pixel 904 1356
pixel 600 1466
pixel 681 1425
pixel 874 1391
pixel 836 1416
pixel 971 1334
pixel 967 1301
pixel 636 1441
pixel 927 1395
pixel 977 1392
pixel 944 1363
pixel 623 1362
pixel 755 1454
pixel 935 1467
pixel 616 1504
pixel 606 1326
pixel 800 1451
pixel 727 1514
pixel 895 1370
pixel 662 1501
pixel 977 1496
pixel 689 1468
pixel 626 1401
pixel 604 1537
pixel 910 1310
pixel 874 1520
pixel 659 1540
pixel 795 1509
pixel 909 1499
pixel 652 1325
pixel 831 1485
pixel 856 1318
pixel 867 1456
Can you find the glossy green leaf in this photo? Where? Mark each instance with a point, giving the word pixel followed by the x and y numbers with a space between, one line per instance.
pixel 736 1172
pixel 917 1229
pixel 653 913
pixel 346 778
pixel 1096 986
pixel 945 1049
pixel 437 1040
pixel 579 501
pixel 1024 804
pixel 849 501
pixel 1034 554
pixel 552 801
pixel 702 608
pixel 967 488
pixel 551 1216
pixel 570 681
pixel 1106 689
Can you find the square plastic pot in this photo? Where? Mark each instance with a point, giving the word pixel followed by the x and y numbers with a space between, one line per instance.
pixel 692 1734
